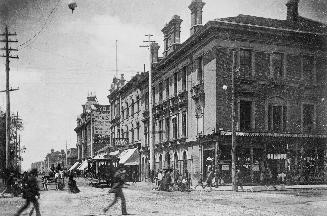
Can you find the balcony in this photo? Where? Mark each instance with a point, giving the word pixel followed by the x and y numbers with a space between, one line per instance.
pixel 197 91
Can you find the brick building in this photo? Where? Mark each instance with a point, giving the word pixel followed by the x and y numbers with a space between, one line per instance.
pixel 279 96
pixel 55 158
pixel 92 128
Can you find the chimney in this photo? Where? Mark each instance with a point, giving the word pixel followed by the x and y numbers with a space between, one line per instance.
pixel 196 15
pixel 292 10
pixel 172 32
pixel 154 52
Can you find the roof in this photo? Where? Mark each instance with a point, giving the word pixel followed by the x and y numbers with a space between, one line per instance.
pixel 303 24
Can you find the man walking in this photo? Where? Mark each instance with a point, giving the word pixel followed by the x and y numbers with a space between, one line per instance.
pixel 30 192
pixel 119 181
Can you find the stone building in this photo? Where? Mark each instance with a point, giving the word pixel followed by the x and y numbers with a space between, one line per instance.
pixel 92 128
pixel 272 71
pixel 55 158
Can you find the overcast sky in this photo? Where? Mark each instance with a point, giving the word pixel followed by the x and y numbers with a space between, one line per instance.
pixel 68 55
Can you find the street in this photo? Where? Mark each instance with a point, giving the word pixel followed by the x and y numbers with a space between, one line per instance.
pixel 141 200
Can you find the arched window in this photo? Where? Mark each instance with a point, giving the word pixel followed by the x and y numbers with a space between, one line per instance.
pixel 127 110
pixel 138 103
pixel 132 108
pixel 167 160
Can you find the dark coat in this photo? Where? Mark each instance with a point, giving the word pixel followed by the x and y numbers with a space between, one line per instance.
pixel 31 188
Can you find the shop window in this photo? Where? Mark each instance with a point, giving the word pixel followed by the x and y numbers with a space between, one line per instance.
pixel 245 63
pixel 278 65
pixel 277 117
pixel 246 110
pixel 308 117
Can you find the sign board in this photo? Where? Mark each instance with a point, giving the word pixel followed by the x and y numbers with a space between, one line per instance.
pixel 225 167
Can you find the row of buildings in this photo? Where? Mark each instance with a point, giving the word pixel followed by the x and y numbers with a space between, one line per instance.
pixel 272 72
pixel 62 158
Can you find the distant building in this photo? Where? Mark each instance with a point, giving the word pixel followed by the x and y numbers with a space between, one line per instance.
pixel 71 157
pixel 54 158
pixel 92 135
pixel 40 166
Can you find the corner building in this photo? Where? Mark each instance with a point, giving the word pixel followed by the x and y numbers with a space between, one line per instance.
pixel 279 81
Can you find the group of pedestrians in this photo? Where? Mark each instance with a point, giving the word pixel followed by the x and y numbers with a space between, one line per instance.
pixel 169 180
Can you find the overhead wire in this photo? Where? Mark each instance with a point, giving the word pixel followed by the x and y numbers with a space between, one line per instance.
pixel 43 27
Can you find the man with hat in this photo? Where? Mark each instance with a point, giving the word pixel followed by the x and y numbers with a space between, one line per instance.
pixel 119 181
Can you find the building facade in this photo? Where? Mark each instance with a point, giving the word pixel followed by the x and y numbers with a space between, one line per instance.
pixel 272 72
pixel 55 158
pixel 92 128
pixel 40 166
pixel 71 157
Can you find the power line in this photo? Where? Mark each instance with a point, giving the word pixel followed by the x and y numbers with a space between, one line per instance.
pixel 43 27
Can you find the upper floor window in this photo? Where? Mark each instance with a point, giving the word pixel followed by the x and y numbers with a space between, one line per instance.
pixel 246 117
pixel 122 112
pixel 167 128
pixel 277 60
pixel 167 88
pixel 138 130
pixel 175 83
pixel 146 100
pixel 184 124
pixel 146 133
pixel 245 62
pixel 138 103
pixel 308 113
pixel 175 128
pixel 127 110
pixel 160 130
pixel 132 108
pixel 153 95
pixel 160 91
pixel 277 117
pixel 200 69
pixel 184 79
pixel 308 67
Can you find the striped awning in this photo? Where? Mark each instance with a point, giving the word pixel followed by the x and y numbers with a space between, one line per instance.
pixel 267 134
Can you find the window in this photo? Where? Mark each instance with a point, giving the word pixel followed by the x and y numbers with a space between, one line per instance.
pixel 277 117
pixel 146 134
pixel 308 117
pixel 138 103
pixel 278 64
pixel 146 99
pixel 167 128
pixel 175 83
pixel 245 115
pixel 174 121
pixel 153 95
pixel 122 112
pixel 132 132
pixel 308 68
pixel 122 133
pixel 132 108
pixel 200 69
pixel 160 130
pixel 127 110
pixel 245 62
pixel 160 91
pixel 118 133
pixel 167 88
pixel 184 122
pixel 184 79
pixel 138 130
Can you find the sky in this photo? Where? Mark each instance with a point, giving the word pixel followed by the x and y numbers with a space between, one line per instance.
pixel 63 56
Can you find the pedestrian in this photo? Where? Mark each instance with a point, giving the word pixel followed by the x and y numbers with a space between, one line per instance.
pixel 72 186
pixel 119 181
pixel 31 193
pixel 200 182
pixel 239 180
pixel 209 179
pixel 134 176
pixel 159 177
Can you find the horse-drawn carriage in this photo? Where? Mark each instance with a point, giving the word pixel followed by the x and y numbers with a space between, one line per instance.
pixel 56 179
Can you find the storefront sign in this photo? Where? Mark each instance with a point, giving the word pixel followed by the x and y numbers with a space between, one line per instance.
pixel 224 167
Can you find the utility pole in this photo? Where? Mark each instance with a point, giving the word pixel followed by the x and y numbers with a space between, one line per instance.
pixel 151 144
pixel 8 56
pixel 66 155
pixel 234 185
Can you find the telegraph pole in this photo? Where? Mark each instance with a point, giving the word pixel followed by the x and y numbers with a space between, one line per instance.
pixel 151 144
pixel 234 185
pixel 8 56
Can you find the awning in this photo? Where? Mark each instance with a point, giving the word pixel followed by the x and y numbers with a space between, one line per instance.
pixel 83 166
pixel 98 157
pixel 115 153
pixel 129 157
pixel 74 166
